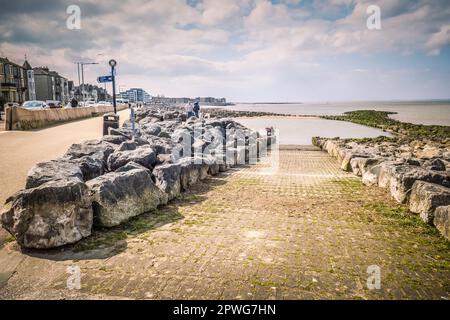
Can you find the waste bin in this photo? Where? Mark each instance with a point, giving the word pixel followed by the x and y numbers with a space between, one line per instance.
pixel 110 120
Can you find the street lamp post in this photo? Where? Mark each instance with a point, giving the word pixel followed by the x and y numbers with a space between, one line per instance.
pixel 112 64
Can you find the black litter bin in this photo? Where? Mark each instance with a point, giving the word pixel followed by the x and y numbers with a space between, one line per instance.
pixel 110 120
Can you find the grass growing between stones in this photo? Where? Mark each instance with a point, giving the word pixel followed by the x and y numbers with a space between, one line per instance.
pixel 104 238
pixel 7 239
pixel 422 236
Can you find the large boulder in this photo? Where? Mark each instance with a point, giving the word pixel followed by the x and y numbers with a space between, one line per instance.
pixel 349 155
pixel 143 155
pixel 426 197
pixel 189 173
pixel 54 214
pixel 151 129
pixel 90 167
pixel 442 220
pixel 161 145
pixel 54 170
pixel 167 178
pixel 118 196
pixel 114 139
pixel 376 174
pixel 434 164
pixel 202 166
pixel 94 148
pixel 130 166
pixel 360 165
pixel 402 178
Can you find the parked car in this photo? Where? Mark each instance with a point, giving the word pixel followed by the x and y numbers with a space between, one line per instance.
pixel 90 103
pixel 34 105
pixel 54 104
pixel 104 103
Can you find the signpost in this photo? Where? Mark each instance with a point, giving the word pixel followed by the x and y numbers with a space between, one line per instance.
pixel 112 64
pixel 104 79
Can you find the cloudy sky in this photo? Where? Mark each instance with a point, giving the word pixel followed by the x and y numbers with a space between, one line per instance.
pixel 244 50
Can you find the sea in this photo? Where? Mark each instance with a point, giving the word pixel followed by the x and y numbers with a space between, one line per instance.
pixel 301 130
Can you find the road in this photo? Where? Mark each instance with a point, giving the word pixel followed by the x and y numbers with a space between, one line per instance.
pixel 20 150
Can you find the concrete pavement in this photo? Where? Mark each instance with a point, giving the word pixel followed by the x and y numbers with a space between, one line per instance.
pixel 20 150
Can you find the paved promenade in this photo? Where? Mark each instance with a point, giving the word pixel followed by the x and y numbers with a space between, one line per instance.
pixel 20 150
pixel 310 231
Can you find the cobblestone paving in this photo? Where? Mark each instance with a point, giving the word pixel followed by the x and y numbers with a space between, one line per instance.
pixel 310 231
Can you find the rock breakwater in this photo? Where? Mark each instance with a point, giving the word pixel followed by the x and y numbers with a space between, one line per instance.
pixel 104 182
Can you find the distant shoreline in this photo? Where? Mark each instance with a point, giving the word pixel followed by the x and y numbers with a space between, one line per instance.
pixel 351 101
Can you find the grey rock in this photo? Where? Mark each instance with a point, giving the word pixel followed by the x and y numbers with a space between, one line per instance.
pixel 144 155
pixel 114 139
pixel 151 129
pixel 349 155
pixel 167 178
pixel 120 132
pixel 164 158
pixel 442 220
pixel 94 148
pixel 131 166
pixel 54 170
pixel 127 146
pixel 189 173
pixel 434 164
pixel 164 134
pixel 118 196
pixel 54 214
pixel 91 167
pixel 361 165
pixel 402 178
pixel 414 162
pixel 426 197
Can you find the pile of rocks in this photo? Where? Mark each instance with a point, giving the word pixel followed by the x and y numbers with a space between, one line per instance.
pixel 102 183
pixel 416 174
pixel 222 112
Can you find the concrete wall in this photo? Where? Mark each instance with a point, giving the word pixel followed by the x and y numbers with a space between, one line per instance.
pixel 23 119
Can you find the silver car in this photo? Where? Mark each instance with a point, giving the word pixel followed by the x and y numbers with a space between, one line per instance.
pixel 34 105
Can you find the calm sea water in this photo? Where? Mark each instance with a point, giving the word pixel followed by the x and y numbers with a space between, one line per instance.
pixel 420 112
pixel 301 130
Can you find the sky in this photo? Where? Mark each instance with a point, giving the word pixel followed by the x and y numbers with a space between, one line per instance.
pixel 243 50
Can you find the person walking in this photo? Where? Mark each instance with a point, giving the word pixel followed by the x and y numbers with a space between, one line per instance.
pixel 196 109
pixel 189 110
pixel 74 103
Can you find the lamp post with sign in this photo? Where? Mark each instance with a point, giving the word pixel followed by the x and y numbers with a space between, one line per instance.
pixel 110 120
pixel 112 64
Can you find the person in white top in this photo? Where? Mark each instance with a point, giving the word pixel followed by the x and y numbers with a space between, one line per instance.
pixel 189 108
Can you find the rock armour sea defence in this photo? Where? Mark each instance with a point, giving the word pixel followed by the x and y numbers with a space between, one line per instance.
pixel 105 182
pixel 416 174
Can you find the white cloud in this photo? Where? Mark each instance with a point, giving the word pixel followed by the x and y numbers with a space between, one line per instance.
pixel 240 46
pixel 439 40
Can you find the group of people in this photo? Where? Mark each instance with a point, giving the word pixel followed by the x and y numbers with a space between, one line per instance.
pixel 192 110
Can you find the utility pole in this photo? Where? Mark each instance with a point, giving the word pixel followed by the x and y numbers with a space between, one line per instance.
pixel 82 64
pixel 79 79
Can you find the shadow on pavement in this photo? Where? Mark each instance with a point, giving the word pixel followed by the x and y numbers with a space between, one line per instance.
pixel 107 242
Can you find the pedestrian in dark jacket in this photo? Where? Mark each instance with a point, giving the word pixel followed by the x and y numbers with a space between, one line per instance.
pixel 196 109
pixel 74 103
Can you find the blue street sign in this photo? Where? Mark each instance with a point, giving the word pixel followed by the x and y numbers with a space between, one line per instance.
pixel 104 79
